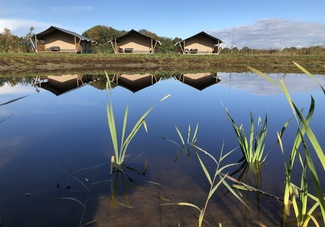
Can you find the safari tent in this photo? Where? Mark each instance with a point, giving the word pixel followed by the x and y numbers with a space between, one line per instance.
pixel 201 43
pixel 61 40
pixel 134 42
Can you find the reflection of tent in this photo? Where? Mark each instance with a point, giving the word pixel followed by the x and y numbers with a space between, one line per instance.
pixel 199 81
pixel 59 85
pixel 135 82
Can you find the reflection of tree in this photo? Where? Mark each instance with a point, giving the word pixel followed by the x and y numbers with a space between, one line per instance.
pixel 19 80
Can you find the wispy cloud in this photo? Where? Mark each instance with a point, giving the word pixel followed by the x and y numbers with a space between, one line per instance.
pixel 20 27
pixel 273 33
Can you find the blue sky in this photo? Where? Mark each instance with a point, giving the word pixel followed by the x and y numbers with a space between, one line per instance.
pixel 253 23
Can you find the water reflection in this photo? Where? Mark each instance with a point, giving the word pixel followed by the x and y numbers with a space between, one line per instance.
pixel 199 81
pixel 135 82
pixel 59 85
pixel 256 84
pixel 70 132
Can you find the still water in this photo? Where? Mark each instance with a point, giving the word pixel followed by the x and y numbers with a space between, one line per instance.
pixel 55 147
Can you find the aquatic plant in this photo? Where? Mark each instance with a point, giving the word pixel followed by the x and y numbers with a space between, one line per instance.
pixel 121 149
pixel 252 147
pixel 215 179
pixel 299 197
pixel 189 142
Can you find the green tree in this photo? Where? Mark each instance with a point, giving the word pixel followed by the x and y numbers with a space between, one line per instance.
pixel 9 42
pixel 102 35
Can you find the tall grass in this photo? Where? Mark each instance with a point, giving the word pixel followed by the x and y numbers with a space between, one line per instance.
pixel 121 148
pixel 304 204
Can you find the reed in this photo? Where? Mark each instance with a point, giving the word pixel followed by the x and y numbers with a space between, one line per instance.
pixel 120 149
pixel 252 146
pixel 299 197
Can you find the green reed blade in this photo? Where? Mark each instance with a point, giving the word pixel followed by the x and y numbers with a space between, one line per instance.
pixel 231 190
pixel 309 74
pixel 133 132
pixel 263 75
pixel 204 168
pixel 188 134
pixel 195 133
pixel 113 133
pixel 303 190
pixel 317 184
pixel 125 119
pixel 205 152
pixel 312 137
pixel 251 139
pixel 164 98
pixel 180 135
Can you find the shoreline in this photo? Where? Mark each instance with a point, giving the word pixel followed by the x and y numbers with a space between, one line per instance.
pixel 57 63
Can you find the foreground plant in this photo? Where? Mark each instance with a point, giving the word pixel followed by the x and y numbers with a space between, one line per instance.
pixel 299 197
pixel 252 147
pixel 121 149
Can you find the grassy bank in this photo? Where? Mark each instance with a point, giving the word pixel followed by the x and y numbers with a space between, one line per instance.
pixel 16 64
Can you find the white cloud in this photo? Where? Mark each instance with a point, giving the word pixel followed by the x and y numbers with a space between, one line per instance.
pixel 273 33
pixel 20 27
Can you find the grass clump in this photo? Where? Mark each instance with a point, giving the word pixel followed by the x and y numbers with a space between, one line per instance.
pixel 252 146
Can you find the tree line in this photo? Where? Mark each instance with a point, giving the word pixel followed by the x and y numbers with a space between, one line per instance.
pixel 102 34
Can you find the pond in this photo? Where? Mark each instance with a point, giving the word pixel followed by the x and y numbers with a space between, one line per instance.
pixel 55 148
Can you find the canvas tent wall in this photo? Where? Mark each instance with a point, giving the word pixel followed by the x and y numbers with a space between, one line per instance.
pixel 134 42
pixel 201 43
pixel 58 39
